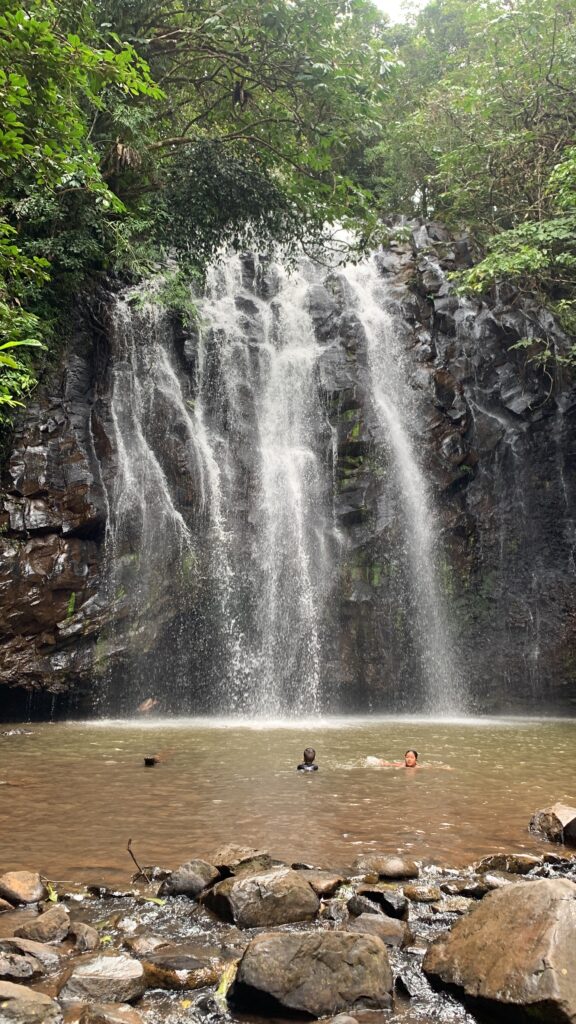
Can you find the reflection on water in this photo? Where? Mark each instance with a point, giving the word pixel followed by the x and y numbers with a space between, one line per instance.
pixel 71 795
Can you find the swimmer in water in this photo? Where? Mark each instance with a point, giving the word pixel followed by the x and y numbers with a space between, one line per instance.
pixel 308 762
pixel 147 706
pixel 410 761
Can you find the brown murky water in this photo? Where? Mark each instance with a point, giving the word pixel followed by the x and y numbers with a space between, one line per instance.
pixel 71 795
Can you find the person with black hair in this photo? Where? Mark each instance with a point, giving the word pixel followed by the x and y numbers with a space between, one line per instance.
pixel 410 761
pixel 308 762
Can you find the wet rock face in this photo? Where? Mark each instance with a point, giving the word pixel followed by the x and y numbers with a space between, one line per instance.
pixel 514 950
pixel 495 433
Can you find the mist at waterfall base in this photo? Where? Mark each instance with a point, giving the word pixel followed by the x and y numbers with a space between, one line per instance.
pixel 231 453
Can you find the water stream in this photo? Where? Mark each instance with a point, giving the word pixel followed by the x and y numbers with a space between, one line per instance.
pixel 223 498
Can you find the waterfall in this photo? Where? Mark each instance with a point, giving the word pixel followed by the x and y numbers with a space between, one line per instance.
pixel 395 406
pixel 224 536
pixel 264 429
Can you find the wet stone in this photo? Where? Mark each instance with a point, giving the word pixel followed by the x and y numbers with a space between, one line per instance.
pixel 110 1013
pixel 422 893
pixel 512 863
pixel 386 866
pixel 318 973
pixel 22 887
pixel 453 905
pixel 475 888
pixel 190 879
pixel 45 955
pixel 228 858
pixel 108 979
pixel 141 945
pixel 392 900
pixel 179 967
pixel 51 926
pixel 324 883
pixel 21 1005
pixel 275 897
pixel 85 937
pixel 358 904
pixel 497 951
pixel 19 967
pixel 388 929
pixel 334 910
pixel 556 823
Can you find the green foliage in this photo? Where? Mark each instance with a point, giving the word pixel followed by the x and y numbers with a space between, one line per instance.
pixel 131 130
pixel 50 81
pixel 479 130
pixel 70 607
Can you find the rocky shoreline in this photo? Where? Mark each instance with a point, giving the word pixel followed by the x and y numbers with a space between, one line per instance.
pixel 246 936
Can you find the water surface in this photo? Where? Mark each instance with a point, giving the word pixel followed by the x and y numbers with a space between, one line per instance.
pixel 71 795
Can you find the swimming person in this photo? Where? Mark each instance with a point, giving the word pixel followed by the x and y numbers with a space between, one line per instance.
pixel 410 761
pixel 147 706
pixel 308 762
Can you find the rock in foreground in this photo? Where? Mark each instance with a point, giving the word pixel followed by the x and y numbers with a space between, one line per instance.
pixel 516 950
pixel 19 1005
pixel 22 887
pixel 320 973
pixel 556 823
pixel 106 979
pixel 281 896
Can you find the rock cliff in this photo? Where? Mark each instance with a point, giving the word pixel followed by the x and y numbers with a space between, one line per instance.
pixel 495 433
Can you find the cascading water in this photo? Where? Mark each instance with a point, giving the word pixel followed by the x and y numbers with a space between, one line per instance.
pixel 395 406
pixel 266 433
pixel 224 498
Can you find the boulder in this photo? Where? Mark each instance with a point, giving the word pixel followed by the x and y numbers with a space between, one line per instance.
pixel 391 931
pixel 512 863
pixel 475 888
pixel 385 866
pixel 515 950
pixel 190 879
pixel 180 967
pixel 85 937
pixel 230 857
pixel 51 926
pixel 141 945
pixel 20 1005
pixel 358 904
pixel 46 956
pixel 453 905
pixel 556 823
pixel 107 979
pixel 22 887
pixel 324 883
pixel 12 965
pixel 422 893
pixel 391 900
pixel 280 896
pixel 110 1013
pixel 318 973
pixel 4 905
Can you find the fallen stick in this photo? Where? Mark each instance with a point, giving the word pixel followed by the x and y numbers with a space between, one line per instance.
pixel 141 870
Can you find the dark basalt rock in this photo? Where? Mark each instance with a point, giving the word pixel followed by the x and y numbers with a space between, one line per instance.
pixel 317 973
pixel 494 434
pixel 513 952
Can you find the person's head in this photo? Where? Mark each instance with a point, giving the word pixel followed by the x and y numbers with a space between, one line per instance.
pixel 309 755
pixel 410 758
